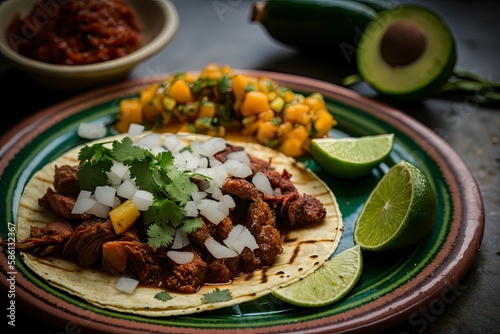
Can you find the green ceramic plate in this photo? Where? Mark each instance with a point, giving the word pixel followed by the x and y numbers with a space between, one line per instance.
pixel 393 286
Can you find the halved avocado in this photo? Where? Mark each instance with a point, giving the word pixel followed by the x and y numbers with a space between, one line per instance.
pixel 407 53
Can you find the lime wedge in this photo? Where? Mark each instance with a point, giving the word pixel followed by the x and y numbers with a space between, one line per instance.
pixel 351 157
pixel 328 284
pixel 399 212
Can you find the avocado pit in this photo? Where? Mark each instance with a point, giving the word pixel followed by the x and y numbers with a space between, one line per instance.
pixel 403 43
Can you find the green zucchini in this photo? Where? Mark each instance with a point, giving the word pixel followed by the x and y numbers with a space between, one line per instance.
pixel 329 27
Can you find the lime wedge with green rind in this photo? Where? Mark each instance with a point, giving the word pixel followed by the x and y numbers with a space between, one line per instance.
pixel 399 212
pixel 328 284
pixel 351 157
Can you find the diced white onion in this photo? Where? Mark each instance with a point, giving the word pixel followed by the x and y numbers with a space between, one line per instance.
pixel 203 162
pixel 157 149
pixel 240 156
pixel 142 199
pixel 119 169
pixel 99 210
pixel 149 141
pixel 91 130
pixel 179 160
pixel 82 204
pixel 114 179
pixel 105 195
pixel 219 175
pixel 240 237
pixel 116 202
pixel 191 210
pixel 83 194
pixel 127 285
pixel 197 196
pixel 171 142
pixel 180 240
pixel 208 208
pixel 228 201
pixel 180 257
pixel 223 208
pixel 192 163
pixel 237 169
pixel 214 190
pixel 218 250
pixel 261 182
pixel 126 190
pixel 214 162
pixel 233 235
pixel 212 145
pixel 135 129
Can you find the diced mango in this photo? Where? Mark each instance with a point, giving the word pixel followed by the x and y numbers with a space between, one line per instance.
pixel 180 91
pixel 254 102
pixel 124 216
pixel 130 112
pixel 239 85
pixel 298 113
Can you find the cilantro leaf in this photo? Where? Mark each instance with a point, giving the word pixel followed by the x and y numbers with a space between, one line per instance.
pixel 163 296
pixel 91 177
pixel 182 188
pixel 160 235
pixel 191 224
pixel 141 171
pixel 163 212
pixel 217 296
pixel 126 152
pixel 224 83
pixel 95 161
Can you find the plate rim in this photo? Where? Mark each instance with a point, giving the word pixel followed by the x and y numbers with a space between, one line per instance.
pixel 467 216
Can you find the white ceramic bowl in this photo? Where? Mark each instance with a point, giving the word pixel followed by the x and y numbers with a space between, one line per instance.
pixel 159 21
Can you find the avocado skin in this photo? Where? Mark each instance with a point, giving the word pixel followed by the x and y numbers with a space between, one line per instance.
pixel 316 26
pixel 422 92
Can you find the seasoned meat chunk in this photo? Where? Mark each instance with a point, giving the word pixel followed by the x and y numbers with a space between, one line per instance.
pixel 241 188
pixel 61 205
pixel 66 180
pixel 85 244
pixel 262 225
pixel 188 277
pixel 218 272
pixel 302 210
pixel 47 240
pixel 127 258
pixel 201 234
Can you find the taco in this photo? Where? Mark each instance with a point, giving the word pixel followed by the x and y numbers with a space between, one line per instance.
pixel 296 227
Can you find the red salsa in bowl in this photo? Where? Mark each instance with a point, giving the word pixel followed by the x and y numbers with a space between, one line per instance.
pixel 76 32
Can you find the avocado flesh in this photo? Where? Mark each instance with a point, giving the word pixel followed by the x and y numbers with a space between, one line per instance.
pixel 422 76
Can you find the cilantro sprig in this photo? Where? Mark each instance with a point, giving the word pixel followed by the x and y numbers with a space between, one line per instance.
pixel 170 186
pixel 217 296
